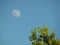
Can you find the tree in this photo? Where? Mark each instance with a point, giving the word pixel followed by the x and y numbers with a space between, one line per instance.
pixel 40 36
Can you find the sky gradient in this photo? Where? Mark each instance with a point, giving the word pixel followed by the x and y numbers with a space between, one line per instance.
pixel 15 31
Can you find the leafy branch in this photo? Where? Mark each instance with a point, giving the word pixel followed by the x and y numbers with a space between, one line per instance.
pixel 40 36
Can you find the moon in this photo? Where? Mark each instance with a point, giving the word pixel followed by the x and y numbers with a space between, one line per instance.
pixel 16 13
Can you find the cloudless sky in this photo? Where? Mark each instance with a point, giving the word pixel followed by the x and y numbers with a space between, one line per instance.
pixel 15 31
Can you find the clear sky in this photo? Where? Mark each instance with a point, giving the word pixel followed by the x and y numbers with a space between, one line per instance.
pixel 16 30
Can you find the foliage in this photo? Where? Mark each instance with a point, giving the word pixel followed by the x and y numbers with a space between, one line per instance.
pixel 40 36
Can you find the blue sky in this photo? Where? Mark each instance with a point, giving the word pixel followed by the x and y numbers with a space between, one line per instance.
pixel 15 31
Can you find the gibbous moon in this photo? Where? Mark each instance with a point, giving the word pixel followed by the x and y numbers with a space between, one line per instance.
pixel 16 13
